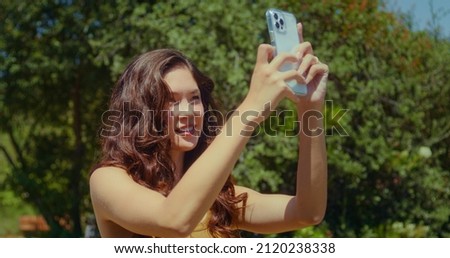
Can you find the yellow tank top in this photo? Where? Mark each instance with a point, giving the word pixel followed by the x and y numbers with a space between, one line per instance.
pixel 201 230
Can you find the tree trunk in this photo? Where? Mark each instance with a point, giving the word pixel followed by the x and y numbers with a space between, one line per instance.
pixel 77 158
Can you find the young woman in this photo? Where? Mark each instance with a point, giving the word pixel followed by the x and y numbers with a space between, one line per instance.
pixel 166 164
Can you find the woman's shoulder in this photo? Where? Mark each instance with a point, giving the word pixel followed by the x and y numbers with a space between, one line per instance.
pixel 239 189
pixel 108 175
pixel 109 169
pixel 110 186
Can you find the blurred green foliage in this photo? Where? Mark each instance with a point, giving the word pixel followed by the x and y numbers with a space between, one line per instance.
pixel 389 168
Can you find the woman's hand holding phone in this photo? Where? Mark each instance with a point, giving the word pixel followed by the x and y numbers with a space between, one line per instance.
pixel 269 82
pixel 286 35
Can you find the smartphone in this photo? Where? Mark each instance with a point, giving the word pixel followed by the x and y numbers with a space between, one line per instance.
pixel 283 34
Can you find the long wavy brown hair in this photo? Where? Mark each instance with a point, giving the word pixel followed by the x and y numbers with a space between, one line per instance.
pixel 134 135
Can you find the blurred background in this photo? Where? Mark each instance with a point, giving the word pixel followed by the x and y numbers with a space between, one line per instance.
pixel 387 119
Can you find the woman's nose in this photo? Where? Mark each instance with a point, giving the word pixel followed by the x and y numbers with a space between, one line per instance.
pixel 185 108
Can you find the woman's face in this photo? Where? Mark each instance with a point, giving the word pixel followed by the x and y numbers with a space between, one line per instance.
pixel 186 110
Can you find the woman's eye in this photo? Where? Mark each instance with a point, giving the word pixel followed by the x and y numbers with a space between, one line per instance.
pixel 195 98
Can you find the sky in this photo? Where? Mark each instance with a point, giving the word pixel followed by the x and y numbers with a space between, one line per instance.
pixel 421 11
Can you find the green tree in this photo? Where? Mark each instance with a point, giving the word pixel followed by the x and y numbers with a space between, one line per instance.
pixel 50 97
pixel 393 167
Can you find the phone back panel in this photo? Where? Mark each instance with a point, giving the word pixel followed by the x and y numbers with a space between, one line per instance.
pixel 284 37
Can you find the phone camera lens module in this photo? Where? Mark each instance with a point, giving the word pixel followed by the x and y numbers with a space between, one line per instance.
pixel 281 22
pixel 277 25
pixel 275 16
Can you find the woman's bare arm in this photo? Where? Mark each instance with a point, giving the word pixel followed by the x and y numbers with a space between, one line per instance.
pixel 274 213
